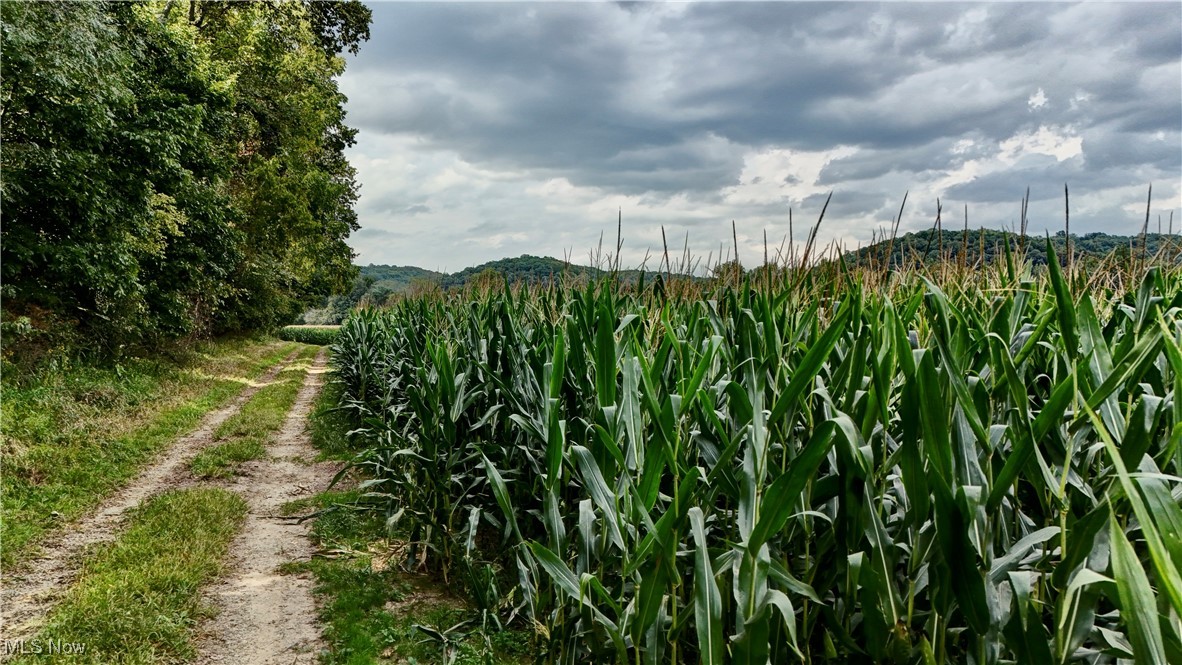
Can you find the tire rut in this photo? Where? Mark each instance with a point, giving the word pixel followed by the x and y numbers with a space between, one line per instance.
pixel 264 617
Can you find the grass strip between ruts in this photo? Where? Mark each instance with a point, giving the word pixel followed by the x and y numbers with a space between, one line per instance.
pixel 243 436
pixel 138 597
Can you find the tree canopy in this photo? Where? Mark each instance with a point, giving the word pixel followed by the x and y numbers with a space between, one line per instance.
pixel 173 168
pixel 988 245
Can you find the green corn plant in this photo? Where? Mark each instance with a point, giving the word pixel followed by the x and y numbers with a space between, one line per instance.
pixel 827 464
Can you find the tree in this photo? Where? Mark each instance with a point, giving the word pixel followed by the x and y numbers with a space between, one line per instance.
pixel 290 179
pixel 728 272
pixel 108 172
pixel 172 169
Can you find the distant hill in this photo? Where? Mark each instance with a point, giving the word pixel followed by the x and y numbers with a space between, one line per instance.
pixel 523 269
pixel 397 278
pixel 376 283
pixel 924 246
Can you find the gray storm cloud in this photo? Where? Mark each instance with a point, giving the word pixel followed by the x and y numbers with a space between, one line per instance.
pixel 508 128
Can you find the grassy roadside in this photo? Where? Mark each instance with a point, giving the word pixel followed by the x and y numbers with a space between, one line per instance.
pixel 137 598
pixel 72 437
pixel 244 435
pixel 373 612
pixel 329 426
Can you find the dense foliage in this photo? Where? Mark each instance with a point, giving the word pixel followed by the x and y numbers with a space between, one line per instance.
pixel 172 168
pixel 377 285
pixel 524 269
pixel 396 279
pixel 332 309
pixel 823 469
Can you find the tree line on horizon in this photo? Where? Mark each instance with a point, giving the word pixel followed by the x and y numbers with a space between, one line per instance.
pixel 983 246
pixel 172 169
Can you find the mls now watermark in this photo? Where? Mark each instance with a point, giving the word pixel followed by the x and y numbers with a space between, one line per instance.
pixel 37 647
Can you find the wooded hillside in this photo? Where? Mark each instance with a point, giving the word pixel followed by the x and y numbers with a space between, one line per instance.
pixel 988 245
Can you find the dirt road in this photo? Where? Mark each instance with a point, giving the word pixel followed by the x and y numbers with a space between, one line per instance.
pixel 262 616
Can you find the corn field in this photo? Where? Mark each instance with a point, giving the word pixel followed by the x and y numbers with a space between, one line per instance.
pixel 979 469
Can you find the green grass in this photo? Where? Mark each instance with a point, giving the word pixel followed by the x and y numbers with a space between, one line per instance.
pixel 388 617
pixel 243 436
pixel 330 425
pixel 224 459
pixel 137 599
pixel 369 608
pixel 74 435
pixel 265 411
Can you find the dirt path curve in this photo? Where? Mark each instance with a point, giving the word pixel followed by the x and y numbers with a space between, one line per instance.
pixel 29 592
pixel 264 617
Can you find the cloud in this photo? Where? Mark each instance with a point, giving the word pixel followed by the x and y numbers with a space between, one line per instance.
pixel 1037 100
pixel 494 129
pixel 781 176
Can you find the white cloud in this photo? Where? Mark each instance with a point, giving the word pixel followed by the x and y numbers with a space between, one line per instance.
pixel 1058 142
pixel 780 175
pixel 1037 100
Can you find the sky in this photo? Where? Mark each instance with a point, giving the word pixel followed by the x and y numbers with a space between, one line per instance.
pixel 491 130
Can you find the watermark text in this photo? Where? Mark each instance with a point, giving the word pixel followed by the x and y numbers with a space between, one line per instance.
pixel 41 647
